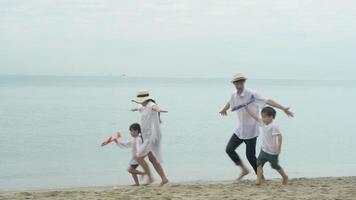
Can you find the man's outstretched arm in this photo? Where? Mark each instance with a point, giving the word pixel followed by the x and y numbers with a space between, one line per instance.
pixel 286 110
pixel 224 110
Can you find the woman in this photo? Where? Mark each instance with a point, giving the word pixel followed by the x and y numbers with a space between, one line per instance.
pixel 151 133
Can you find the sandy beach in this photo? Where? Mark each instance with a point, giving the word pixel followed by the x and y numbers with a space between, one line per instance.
pixel 299 188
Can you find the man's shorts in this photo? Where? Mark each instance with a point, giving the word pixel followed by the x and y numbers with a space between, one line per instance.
pixel 266 157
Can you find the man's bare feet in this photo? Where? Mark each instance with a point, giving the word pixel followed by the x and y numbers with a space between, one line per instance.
pixel 285 180
pixel 135 185
pixel 243 173
pixel 163 182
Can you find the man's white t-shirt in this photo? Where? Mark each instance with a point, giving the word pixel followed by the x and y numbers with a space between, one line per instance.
pixel 269 137
pixel 247 127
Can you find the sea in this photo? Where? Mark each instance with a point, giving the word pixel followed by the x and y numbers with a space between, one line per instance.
pixel 51 128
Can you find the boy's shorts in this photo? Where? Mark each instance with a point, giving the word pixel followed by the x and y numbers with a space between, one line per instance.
pixel 266 157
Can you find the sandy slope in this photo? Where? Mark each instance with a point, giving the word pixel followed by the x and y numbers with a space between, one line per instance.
pixel 303 188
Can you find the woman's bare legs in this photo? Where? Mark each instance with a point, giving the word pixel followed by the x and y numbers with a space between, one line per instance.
pixel 158 168
pixel 146 169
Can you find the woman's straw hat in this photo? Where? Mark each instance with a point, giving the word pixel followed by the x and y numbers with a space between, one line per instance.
pixel 142 96
pixel 238 77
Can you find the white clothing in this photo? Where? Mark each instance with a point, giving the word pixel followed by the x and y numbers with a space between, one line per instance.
pixel 134 144
pixel 269 137
pixel 247 127
pixel 151 132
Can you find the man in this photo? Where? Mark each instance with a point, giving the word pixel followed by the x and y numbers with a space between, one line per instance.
pixel 247 130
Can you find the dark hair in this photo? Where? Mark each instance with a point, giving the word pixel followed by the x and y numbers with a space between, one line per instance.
pixel 269 111
pixel 135 127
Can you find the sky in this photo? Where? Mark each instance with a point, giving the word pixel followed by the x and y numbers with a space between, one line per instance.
pixel 304 39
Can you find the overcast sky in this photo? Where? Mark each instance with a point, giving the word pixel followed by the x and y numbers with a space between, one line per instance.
pixel 194 38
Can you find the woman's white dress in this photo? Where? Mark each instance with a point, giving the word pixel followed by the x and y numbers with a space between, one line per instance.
pixel 151 132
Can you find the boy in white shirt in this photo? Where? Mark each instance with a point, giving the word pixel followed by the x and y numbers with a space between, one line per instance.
pixel 271 143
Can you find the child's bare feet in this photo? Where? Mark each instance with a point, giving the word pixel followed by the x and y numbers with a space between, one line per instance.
pixel 285 180
pixel 243 173
pixel 260 180
pixel 135 185
pixel 165 181
pixel 263 179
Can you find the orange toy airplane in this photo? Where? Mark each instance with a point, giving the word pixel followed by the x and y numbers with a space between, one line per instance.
pixel 111 139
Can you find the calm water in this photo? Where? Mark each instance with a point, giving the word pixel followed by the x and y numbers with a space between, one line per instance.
pixel 51 128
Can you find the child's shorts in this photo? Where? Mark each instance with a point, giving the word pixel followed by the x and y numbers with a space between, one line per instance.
pixel 266 157
pixel 133 166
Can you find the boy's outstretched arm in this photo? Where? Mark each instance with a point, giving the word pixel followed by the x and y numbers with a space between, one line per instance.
pixel 277 105
pixel 253 115
pixel 279 143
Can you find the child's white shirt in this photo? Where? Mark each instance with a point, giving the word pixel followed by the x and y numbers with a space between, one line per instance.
pixel 269 137
pixel 134 144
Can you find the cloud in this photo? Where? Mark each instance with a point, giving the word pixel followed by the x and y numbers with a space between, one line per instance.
pixel 62 35
pixel 168 18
